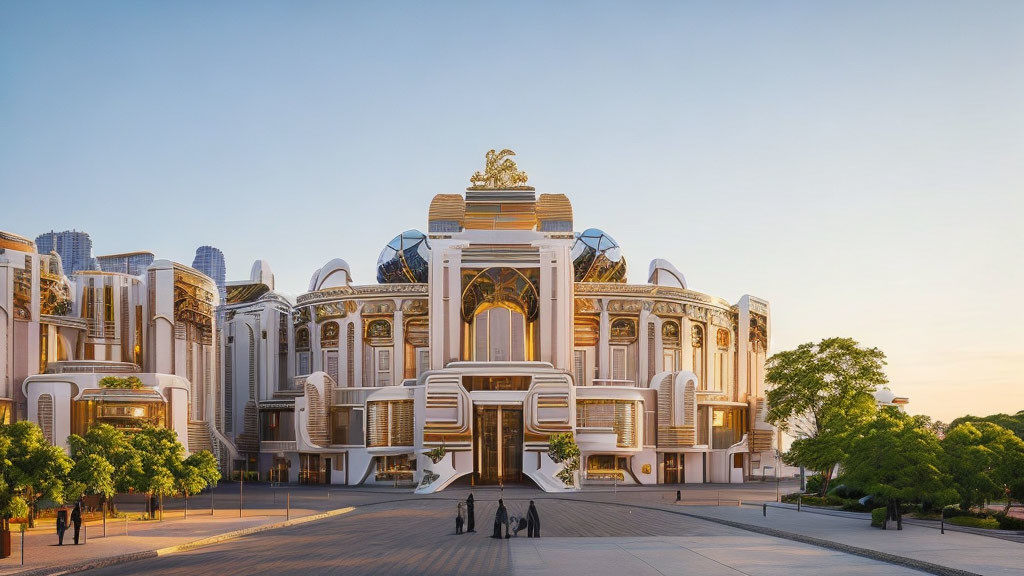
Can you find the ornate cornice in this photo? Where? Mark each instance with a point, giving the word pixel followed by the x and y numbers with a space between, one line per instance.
pixel 682 295
pixel 370 291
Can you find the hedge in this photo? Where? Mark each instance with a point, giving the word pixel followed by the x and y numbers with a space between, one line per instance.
pixel 972 522
pixel 878 516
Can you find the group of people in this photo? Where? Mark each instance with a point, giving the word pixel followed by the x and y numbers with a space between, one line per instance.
pixel 62 521
pixel 466 517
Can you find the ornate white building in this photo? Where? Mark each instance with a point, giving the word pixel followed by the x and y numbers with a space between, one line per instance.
pixel 61 337
pixel 497 328
pixel 494 330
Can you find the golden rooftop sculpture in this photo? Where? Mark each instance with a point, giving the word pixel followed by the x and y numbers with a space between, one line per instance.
pixel 500 173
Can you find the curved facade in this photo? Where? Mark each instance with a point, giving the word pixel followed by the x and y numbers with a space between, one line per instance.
pixel 496 329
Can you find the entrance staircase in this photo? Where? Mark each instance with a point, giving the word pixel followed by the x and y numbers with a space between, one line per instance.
pixel 201 438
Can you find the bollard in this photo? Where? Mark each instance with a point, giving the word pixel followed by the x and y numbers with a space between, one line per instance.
pixel 211 504
pixel 942 522
pixel 764 510
pixel 719 493
pixel 240 497
pixel 799 501
pixel 23 528
pixel 288 506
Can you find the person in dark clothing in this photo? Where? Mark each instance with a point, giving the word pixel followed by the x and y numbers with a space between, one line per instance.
pixel 532 522
pixel 459 519
pixel 470 516
pixel 500 519
pixel 76 519
pixel 62 524
pixel 152 506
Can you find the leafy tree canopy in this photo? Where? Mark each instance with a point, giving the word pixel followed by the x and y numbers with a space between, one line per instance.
pixel 30 469
pixel 819 393
pixel 895 456
pixel 985 461
pixel 1013 422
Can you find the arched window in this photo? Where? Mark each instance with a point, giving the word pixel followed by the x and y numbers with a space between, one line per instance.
pixel 302 366
pixel 329 335
pixel 499 335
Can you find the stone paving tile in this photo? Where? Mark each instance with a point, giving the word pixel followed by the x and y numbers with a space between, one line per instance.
pixel 416 537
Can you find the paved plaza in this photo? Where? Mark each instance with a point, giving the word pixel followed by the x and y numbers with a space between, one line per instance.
pixel 635 531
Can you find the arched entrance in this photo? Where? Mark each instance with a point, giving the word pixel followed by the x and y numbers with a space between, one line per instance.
pixel 500 307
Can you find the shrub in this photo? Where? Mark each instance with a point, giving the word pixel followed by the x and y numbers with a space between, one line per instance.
pixel 1009 522
pixel 130 383
pixel 562 449
pixel 814 483
pixel 878 517
pixel 952 511
pixel 437 454
pixel 972 522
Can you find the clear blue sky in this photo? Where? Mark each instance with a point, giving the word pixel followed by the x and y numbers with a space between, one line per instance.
pixel 857 164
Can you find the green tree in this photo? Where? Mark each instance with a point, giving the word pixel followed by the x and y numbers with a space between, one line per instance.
pixel 12 504
pixel 114 447
pixel 985 460
pixel 32 468
pixel 94 474
pixel 896 456
pixel 197 472
pixel 819 393
pixel 1013 422
pixel 161 454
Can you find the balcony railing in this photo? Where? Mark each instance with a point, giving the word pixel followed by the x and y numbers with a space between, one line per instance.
pixel 613 382
pixel 277 446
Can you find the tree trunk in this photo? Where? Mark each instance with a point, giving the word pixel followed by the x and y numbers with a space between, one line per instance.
pixel 826 480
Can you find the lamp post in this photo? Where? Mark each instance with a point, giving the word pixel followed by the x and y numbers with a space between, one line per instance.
pixel 778 459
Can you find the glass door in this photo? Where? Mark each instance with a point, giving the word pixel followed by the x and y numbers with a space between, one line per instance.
pixel 487 445
pixel 511 444
pixel 498 444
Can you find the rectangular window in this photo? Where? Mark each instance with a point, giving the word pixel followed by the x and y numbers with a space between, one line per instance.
pixel 422 361
pixel 302 359
pixel 331 364
pixel 108 305
pixel 383 367
pixel 669 361
pixel 618 362
pixel 579 367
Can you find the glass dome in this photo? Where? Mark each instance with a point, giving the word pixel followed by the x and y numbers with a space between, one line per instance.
pixel 596 257
pixel 406 259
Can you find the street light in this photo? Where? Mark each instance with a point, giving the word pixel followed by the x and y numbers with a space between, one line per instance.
pixel 778 458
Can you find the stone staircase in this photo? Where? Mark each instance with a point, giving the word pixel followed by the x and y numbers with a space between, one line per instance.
pixel 200 438
pixel 249 439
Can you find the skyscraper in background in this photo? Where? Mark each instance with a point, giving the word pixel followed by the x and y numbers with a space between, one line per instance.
pixel 74 247
pixel 210 261
pixel 133 263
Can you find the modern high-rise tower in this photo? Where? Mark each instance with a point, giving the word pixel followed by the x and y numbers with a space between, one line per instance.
pixel 74 247
pixel 210 261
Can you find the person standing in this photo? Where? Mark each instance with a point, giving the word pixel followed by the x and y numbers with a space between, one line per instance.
pixel 471 516
pixel 500 518
pixel 62 523
pixel 459 519
pixel 76 519
pixel 532 522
